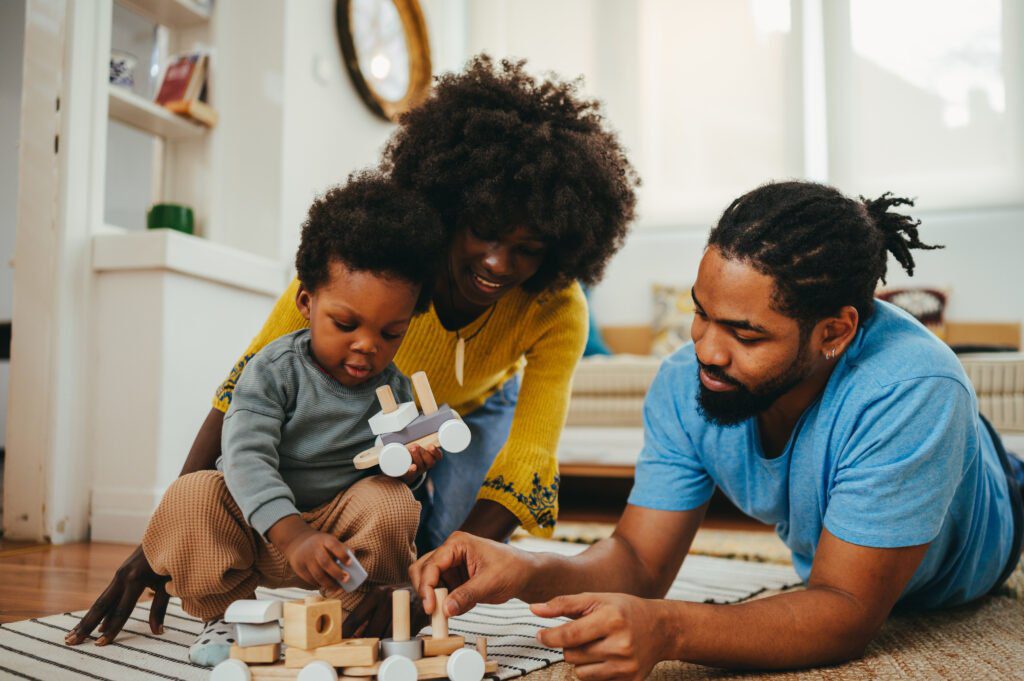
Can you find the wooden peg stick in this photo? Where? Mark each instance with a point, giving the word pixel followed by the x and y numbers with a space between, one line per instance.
pixel 439 621
pixel 400 615
pixel 427 403
pixel 386 399
pixel 481 646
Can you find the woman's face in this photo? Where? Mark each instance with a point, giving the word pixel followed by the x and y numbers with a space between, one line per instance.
pixel 484 268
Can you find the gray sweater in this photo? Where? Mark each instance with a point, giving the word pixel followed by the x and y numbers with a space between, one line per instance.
pixel 292 431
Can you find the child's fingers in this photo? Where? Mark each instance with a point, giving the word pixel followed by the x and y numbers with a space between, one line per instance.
pixel 337 549
pixel 322 578
pixel 326 562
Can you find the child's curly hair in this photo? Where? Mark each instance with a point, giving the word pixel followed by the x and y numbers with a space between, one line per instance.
pixel 495 148
pixel 372 225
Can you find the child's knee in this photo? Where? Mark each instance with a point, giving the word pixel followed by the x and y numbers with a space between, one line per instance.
pixel 388 505
pixel 196 489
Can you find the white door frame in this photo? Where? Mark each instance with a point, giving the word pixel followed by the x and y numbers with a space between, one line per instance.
pixel 47 471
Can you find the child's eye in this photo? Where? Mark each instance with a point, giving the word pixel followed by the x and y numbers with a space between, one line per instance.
pixel 347 328
pixel 392 336
pixel 532 252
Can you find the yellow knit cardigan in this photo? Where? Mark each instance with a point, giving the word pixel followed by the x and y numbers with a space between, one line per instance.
pixel 541 334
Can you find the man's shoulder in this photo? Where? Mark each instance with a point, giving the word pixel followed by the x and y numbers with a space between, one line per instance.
pixel 895 348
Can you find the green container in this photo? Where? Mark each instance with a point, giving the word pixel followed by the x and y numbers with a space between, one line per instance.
pixel 170 216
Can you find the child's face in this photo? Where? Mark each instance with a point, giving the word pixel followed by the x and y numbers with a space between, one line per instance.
pixel 357 321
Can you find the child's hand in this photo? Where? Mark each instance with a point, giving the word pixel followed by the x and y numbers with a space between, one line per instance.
pixel 423 459
pixel 311 554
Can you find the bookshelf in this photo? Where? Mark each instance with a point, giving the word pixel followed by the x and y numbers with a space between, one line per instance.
pixel 140 113
pixel 171 13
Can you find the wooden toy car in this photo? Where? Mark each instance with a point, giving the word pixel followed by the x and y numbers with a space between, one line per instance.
pixel 399 425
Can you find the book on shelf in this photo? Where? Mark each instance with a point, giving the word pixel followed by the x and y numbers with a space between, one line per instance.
pixel 183 88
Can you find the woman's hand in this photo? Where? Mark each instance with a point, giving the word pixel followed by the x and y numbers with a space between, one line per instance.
pixel 372 617
pixel 476 570
pixel 614 636
pixel 112 609
pixel 423 459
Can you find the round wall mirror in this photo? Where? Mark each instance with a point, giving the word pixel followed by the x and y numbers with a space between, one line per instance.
pixel 386 51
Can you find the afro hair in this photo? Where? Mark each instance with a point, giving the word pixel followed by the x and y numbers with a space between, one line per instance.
pixel 371 225
pixel 496 149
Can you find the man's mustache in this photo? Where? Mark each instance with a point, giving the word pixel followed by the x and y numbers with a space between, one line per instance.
pixel 719 375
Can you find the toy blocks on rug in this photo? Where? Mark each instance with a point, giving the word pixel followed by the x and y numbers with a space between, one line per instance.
pixel 396 431
pixel 316 652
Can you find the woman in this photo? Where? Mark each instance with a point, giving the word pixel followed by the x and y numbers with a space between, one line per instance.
pixel 538 195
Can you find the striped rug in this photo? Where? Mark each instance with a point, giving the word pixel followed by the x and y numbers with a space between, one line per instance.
pixel 34 649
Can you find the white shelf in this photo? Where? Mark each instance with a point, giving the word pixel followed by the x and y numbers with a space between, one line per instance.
pixel 166 249
pixel 138 112
pixel 171 13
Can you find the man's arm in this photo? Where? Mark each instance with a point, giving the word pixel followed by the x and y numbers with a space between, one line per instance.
pixel 642 557
pixel 850 593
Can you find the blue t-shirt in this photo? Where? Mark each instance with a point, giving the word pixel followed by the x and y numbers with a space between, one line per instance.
pixel 892 454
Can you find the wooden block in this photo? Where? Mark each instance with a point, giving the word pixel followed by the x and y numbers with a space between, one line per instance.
pixel 428 405
pixel 386 399
pixel 442 646
pixel 249 635
pixel 264 654
pixel 349 653
pixel 481 646
pixel 253 611
pixel 400 615
pixel 438 620
pixel 312 623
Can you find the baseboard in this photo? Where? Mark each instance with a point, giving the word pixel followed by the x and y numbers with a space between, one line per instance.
pixel 120 515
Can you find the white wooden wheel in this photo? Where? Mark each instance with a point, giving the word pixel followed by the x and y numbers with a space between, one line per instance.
pixel 395 460
pixel 465 665
pixel 397 668
pixel 454 435
pixel 318 670
pixel 231 670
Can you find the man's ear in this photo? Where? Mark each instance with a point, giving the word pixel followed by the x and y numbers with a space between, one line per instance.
pixel 304 301
pixel 837 332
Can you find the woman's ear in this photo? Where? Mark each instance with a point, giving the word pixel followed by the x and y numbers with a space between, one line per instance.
pixel 304 301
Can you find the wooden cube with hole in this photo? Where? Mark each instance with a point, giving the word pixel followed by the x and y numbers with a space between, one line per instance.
pixel 312 622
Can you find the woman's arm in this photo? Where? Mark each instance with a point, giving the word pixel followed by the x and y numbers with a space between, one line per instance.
pixel 523 479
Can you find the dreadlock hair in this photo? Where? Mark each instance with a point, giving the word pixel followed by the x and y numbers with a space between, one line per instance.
pixel 371 225
pixel 494 148
pixel 822 249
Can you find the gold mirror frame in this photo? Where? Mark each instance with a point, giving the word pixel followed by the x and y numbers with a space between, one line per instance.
pixel 418 44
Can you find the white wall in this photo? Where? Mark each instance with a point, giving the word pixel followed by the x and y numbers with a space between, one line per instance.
pixel 327 130
pixel 981 266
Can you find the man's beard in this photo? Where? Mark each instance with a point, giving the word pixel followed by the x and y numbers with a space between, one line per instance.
pixel 732 407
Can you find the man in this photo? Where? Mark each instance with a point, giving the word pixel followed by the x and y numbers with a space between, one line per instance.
pixel 812 406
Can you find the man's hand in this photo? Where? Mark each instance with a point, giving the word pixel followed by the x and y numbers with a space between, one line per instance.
pixel 112 609
pixel 614 636
pixel 476 570
pixel 423 459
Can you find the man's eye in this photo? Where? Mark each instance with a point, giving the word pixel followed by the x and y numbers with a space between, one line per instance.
pixel 747 341
pixel 532 252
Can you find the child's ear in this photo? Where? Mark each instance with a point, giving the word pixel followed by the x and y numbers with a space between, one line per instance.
pixel 304 301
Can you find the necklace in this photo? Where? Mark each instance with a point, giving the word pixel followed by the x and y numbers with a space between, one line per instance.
pixel 460 342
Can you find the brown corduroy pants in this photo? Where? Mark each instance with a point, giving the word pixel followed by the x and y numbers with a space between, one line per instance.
pixel 199 537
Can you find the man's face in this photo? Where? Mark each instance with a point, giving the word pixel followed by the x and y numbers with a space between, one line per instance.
pixel 749 354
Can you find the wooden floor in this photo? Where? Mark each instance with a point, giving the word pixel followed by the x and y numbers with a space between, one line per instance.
pixel 37 580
